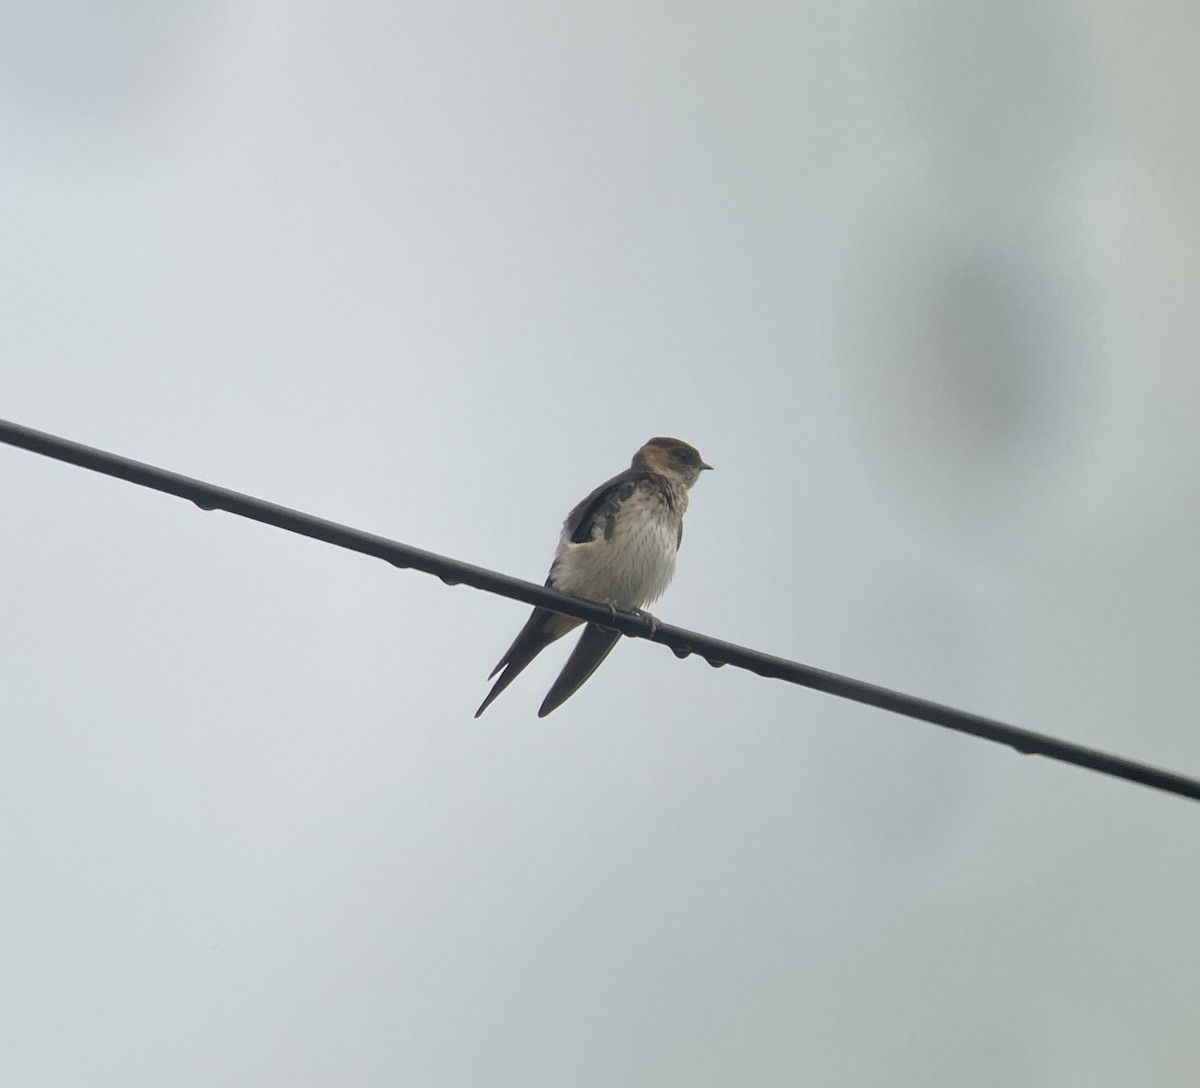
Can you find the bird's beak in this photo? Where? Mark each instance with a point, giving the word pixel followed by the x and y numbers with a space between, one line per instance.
pixel 704 466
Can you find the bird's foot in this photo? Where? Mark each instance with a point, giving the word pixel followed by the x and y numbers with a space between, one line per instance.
pixel 649 619
pixel 612 610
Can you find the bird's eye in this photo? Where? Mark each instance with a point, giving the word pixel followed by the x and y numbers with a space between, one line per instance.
pixel 685 455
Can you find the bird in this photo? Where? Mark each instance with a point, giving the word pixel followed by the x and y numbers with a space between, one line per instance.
pixel 617 547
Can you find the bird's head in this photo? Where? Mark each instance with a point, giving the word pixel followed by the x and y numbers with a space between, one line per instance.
pixel 671 458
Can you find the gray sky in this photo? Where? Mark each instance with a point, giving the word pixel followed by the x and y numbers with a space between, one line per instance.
pixel 920 283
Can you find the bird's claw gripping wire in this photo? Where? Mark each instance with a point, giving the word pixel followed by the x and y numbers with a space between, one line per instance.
pixel 651 620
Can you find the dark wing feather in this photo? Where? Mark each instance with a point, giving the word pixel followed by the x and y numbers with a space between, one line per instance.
pixel 599 510
pixel 541 629
pixel 594 645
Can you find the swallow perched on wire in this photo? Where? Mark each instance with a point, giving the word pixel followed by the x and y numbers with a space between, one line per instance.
pixel 617 547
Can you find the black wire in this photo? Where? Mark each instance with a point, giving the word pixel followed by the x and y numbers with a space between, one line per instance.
pixel 682 642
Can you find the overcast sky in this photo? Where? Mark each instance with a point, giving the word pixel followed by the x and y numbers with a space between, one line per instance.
pixel 920 284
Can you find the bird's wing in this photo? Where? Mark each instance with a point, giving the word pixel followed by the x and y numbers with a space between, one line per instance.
pixel 541 629
pixel 594 645
pixel 596 515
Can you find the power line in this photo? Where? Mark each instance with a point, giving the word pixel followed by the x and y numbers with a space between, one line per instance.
pixel 682 642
